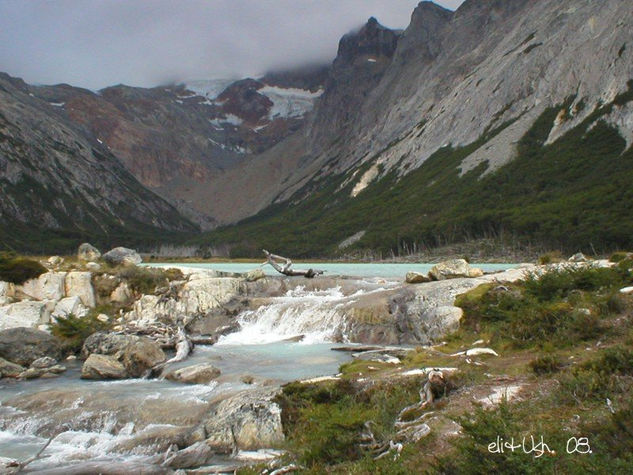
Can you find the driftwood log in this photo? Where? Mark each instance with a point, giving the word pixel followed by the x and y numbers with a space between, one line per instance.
pixel 285 267
pixel 184 346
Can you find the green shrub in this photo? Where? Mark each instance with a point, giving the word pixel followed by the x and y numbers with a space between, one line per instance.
pixel 558 283
pixel 604 376
pixel 562 306
pixel 550 257
pixel 619 256
pixel 545 364
pixel 143 280
pixel 18 270
pixel 73 330
pixel 618 303
pixel 472 454
pixel 323 422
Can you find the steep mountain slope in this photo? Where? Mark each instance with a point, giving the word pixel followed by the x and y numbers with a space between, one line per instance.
pixel 176 140
pixel 504 117
pixel 57 186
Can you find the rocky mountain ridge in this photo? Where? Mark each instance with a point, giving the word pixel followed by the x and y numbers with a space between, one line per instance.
pixel 55 177
pixel 470 86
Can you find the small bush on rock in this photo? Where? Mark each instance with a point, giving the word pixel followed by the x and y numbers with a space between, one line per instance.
pixel 18 270
pixel 73 330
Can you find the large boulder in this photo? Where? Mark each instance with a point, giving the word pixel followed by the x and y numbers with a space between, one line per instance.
pixel 253 417
pixel 25 345
pixel 202 373
pixel 79 284
pixel 197 297
pixel 87 252
pixel 122 256
pixel 103 367
pixel 137 354
pixel 27 313
pixel 454 269
pixel 48 286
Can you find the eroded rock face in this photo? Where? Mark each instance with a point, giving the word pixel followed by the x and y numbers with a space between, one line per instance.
pixel 122 256
pixel 136 354
pixel 25 314
pixel 254 418
pixel 69 306
pixel 79 284
pixel 196 374
pixel 25 345
pixel 48 286
pixel 201 294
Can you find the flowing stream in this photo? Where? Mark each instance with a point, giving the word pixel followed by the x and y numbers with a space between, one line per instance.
pixel 106 419
pixel 114 420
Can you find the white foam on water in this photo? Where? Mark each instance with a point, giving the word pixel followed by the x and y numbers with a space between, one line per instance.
pixel 316 315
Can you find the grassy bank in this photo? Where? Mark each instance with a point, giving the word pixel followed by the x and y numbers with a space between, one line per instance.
pixel 565 344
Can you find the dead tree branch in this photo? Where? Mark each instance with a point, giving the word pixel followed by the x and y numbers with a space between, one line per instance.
pixel 285 266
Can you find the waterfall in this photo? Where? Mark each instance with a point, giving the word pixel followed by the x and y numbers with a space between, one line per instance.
pixel 317 315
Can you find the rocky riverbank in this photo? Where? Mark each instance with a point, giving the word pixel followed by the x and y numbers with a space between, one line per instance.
pixel 127 318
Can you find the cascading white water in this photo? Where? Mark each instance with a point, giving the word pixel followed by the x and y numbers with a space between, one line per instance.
pixel 317 315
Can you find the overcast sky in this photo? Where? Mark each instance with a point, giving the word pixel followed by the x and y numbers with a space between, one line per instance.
pixel 98 43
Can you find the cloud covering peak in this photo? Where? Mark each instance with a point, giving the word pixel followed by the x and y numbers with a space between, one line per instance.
pixel 146 43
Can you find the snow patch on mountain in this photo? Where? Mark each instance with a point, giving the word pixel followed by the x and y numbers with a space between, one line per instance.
pixel 290 102
pixel 209 88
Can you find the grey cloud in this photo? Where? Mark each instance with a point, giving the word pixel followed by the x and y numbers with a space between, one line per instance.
pixel 103 42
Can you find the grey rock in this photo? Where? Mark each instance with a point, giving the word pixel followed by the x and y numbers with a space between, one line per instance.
pixel 79 284
pixel 44 362
pixel 254 418
pixel 578 257
pixel 93 266
pixel 55 261
pixel 27 313
pixel 48 286
pixel 417 278
pixel 9 370
pixel 454 269
pixel 122 256
pixel 136 354
pixel 25 345
pixel 254 275
pixel 68 306
pixel 103 367
pixel 87 252
pixel 197 374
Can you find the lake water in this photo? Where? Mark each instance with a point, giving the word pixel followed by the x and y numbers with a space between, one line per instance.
pixel 382 270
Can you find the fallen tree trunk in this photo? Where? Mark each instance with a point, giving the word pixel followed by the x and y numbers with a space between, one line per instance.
pixel 184 347
pixel 285 268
